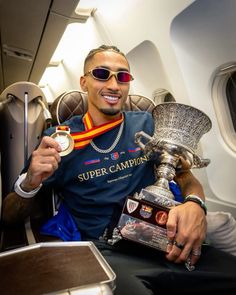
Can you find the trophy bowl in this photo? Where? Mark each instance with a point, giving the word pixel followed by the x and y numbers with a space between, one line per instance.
pixel 180 124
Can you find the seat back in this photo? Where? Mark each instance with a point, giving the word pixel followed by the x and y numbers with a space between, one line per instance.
pixel 22 119
pixel 74 102
pixel 22 123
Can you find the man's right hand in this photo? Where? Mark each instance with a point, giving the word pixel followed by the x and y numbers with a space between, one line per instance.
pixel 44 162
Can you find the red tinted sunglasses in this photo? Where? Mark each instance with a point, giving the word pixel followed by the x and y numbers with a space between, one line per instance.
pixel 103 74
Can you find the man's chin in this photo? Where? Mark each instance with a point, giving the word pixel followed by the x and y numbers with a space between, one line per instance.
pixel 110 112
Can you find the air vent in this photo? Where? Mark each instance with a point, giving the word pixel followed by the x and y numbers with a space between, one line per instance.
pixel 161 95
pixel 17 52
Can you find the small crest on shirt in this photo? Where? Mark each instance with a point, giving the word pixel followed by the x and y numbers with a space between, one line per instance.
pixel 92 161
pixel 131 205
pixel 115 156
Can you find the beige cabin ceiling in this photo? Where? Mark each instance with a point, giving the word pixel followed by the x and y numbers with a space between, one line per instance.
pixel 30 31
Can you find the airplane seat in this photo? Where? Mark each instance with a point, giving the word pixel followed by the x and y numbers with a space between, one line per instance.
pixel 67 105
pixel 74 102
pixel 24 115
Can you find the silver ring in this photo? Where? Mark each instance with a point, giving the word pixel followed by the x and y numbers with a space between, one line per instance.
pixel 179 245
pixel 196 252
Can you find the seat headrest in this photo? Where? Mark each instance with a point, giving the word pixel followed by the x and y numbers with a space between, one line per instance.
pixel 74 102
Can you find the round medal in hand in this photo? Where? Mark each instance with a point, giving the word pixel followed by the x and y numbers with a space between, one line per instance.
pixel 65 141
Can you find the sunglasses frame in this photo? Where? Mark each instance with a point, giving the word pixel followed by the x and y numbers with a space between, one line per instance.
pixel 111 73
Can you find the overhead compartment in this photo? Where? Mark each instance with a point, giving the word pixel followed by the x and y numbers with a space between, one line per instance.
pixel 30 32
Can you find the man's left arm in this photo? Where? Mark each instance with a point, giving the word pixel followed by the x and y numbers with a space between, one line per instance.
pixel 186 225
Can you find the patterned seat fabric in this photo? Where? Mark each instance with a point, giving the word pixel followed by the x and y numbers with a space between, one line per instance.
pixel 74 102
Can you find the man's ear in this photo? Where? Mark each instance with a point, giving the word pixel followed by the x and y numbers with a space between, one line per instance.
pixel 83 84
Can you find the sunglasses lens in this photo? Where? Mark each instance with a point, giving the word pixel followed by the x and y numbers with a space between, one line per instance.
pixel 101 74
pixel 124 77
pixel 104 75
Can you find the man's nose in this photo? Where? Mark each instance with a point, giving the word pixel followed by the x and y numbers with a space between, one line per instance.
pixel 112 82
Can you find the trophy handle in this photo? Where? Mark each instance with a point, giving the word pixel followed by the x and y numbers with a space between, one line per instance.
pixel 199 162
pixel 139 136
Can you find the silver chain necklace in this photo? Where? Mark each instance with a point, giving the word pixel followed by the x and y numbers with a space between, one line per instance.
pixel 113 145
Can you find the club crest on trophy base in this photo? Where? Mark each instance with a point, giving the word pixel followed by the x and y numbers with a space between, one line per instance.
pixel 178 130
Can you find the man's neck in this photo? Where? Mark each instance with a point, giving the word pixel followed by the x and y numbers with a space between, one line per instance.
pixel 100 118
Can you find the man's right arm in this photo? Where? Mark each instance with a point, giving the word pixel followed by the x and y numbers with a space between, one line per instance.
pixel 45 159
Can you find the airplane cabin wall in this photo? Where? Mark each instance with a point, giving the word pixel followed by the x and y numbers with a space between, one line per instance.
pixel 204 39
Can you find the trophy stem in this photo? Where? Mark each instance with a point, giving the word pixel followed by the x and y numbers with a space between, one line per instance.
pixel 165 172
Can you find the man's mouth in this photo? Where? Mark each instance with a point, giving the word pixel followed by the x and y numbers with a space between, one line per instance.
pixel 111 99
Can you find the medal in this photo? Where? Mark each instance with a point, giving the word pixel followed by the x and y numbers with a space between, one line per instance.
pixel 64 139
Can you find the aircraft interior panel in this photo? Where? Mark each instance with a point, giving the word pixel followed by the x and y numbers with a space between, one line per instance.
pixel 149 73
pixel 19 40
pixel 30 30
pixel 203 38
pixel 68 58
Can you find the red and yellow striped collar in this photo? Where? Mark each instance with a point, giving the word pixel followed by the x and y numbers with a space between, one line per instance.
pixel 82 139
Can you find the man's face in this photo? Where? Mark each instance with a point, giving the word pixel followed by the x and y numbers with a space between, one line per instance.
pixel 105 97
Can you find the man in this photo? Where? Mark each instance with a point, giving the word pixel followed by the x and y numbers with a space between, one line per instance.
pixel 106 166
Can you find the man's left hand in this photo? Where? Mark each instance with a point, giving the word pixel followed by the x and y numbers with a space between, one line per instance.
pixel 186 231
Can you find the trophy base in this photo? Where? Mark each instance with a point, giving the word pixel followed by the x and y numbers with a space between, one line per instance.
pixel 144 221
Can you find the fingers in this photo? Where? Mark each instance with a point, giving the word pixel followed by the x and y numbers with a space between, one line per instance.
pixel 186 232
pixel 44 162
pixel 182 252
pixel 171 227
pixel 195 254
pixel 185 163
pixel 179 250
pixel 49 146
pixel 49 142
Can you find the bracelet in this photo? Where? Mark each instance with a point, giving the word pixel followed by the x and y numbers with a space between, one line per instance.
pixel 197 200
pixel 21 192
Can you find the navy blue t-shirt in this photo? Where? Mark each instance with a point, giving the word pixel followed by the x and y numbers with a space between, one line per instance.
pixel 92 183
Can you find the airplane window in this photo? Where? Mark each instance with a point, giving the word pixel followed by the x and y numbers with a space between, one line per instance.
pixel 231 97
pixel 224 101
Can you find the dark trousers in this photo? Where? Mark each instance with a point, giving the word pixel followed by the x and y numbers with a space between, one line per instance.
pixel 141 270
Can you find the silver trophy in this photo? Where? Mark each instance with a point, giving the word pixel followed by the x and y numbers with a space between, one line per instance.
pixel 178 129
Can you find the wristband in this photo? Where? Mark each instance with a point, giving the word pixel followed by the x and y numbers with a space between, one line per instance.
pixel 21 192
pixel 197 200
